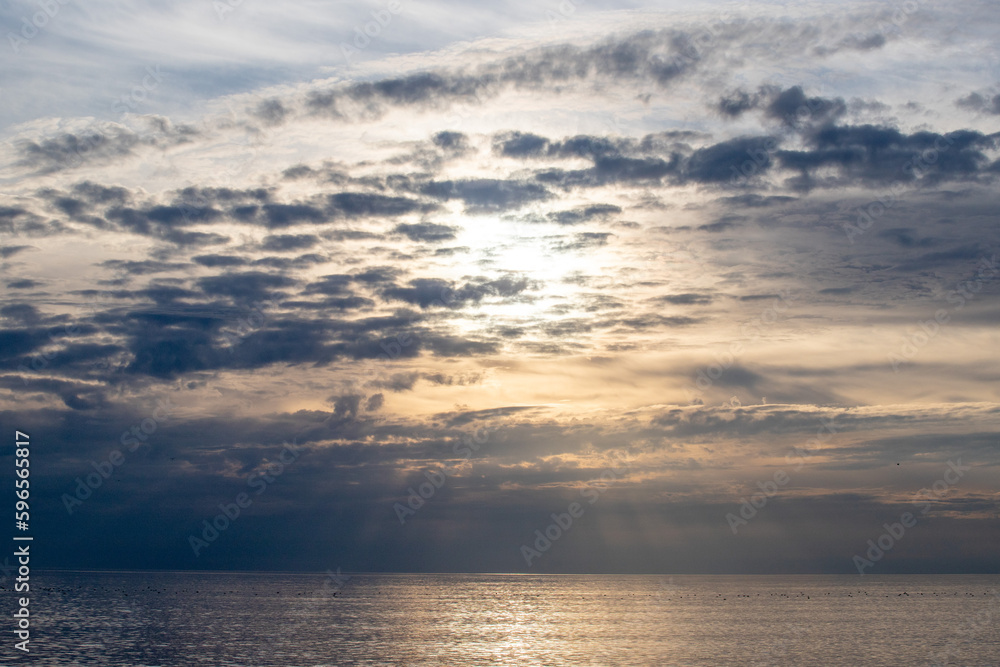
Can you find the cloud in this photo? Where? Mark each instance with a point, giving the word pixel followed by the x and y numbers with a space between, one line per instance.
pixel 346 406
pixel 552 236
pixel 289 242
pixel 737 103
pixel 99 143
pixel 428 232
pixel 584 240
pixel 983 103
pixel 12 250
pixel 584 214
pixel 374 403
pixel 724 162
pixel 686 299
pixel 793 108
pixel 520 144
pixel 428 292
pixel 244 286
pixel 24 284
pixel 487 195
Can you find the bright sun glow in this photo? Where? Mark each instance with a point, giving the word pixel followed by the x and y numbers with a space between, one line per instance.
pixel 538 252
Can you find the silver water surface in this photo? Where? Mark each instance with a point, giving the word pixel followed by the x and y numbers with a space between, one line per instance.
pixel 175 619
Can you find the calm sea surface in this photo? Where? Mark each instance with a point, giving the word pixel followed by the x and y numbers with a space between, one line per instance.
pixel 184 619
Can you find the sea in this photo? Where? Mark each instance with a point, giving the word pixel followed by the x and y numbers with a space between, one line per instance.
pixel 264 619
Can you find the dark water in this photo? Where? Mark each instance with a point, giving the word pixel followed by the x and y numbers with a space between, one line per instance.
pixel 184 619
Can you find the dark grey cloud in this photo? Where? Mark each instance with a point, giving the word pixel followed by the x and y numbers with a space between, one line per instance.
pixel 608 170
pixel 982 102
pixel 21 312
pixel 101 144
pixel 962 254
pixel 334 284
pixel 289 242
pixel 378 275
pixel 197 197
pixel 428 292
pixel 725 162
pixel 170 345
pixel 723 224
pixel 9 215
pixel 398 382
pixel 246 286
pixel 346 406
pixel 287 215
pixel 427 232
pixel 271 111
pixel 487 195
pixel 584 240
pixel 454 142
pixel 648 321
pixel 288 263
pixel 792 107
pixel 657 56
pixel 686 299
pixel 868 41
pixel 907 237
pixel 450 380
pixel 374 403
pixel 738 102
pixel 753 200
pixel 520 144
pixel 143 267
pixel 584 214
pixel 74 395
pixel 360 204
pixel 214 261
pixel 867 154
pixel 11 250
pixel 24 284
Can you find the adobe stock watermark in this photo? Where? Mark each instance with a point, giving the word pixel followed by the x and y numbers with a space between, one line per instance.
pixel 332 585
pixel 250 324
pixel 563 11
pixel 436 478
pixel 775 650
pixel 964 292
pixel 137 95
pixel 395 348
pixel 31 27
pixel 225 7
pixel 869 214
pixel 489 88
pixel 131 440
pixel 40 361
pixel 900 15
pixel 266 652
pixel 363 35
pixel 230 512
pixel 563 522
pixel 749 508
pixel 694 48
pixel 668 587
pixel 759 159
pixel 750 331
pixel 984 621
pixel 884 543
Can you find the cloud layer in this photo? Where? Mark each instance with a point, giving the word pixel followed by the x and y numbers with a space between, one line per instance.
pixel 641 233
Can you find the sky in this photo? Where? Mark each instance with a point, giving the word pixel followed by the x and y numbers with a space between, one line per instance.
pixel 509 287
